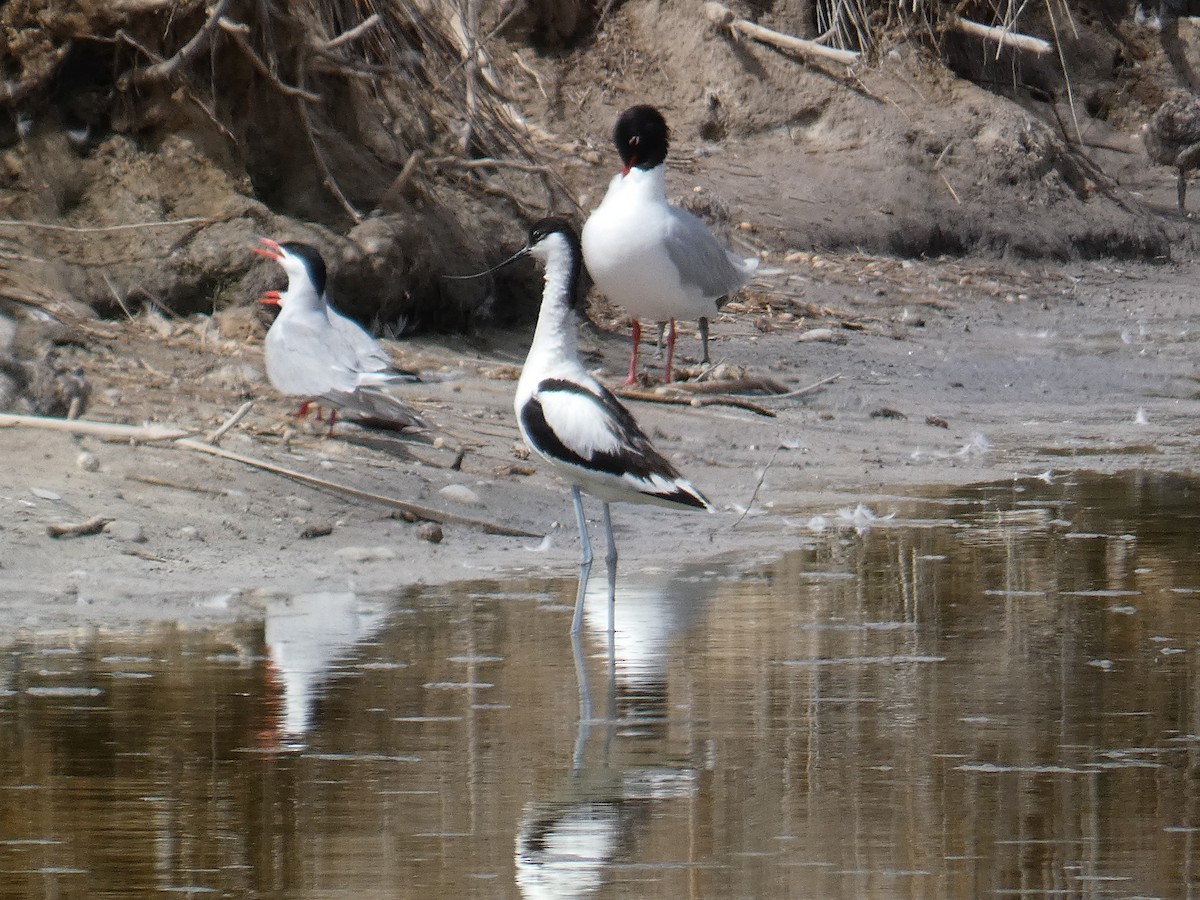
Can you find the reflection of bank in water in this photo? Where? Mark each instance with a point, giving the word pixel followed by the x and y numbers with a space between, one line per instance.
pixel 306 636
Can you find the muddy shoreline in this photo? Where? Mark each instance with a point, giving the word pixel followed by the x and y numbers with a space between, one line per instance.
pixel 944 379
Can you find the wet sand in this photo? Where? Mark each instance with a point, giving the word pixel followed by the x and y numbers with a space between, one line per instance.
pixel 948 373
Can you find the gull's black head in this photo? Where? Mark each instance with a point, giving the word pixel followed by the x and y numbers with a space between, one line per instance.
pixel 642 138
pixel 311 259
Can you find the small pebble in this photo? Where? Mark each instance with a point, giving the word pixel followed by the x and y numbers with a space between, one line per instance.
pixel 460 493
pixel 430 531
pixel 316 531
pixel 43 494
pixel 188 533
pixel 125 530
pixel 87 461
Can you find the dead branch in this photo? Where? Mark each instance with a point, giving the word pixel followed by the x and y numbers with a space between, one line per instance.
pixel 161 71
pixel 723 17
pixel 107 430
pixel 326 174
pixel 214 437
pixel 353 34
pixel 800 392
pixel 1001 36
pixel 238 32
pixel 676 399
pixel 94 525
pixel 417 511
pixel 749 384
pixel 179 438
pixel 489 163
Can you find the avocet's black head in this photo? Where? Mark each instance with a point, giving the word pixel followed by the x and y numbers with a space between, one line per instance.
pixel 642 137
pixel 551 239
pixel 311 259
pixel 544 229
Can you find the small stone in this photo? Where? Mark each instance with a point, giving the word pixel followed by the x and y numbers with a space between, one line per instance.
pixel 87 461
pixel 460 493
pixel 323 529
pixel 125 530
pixel 365 554
pixel 188 533
pixel 301 503
pixel 43 494
pixel 430 531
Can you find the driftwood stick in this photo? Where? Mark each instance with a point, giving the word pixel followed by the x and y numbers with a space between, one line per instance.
pixel 109 430
pixel 744 385
pixel 680 400
pixel 723 16
pixel 214 437
pixel 94 525
pixel 179 438
pixel 421 512
pixel 800 392
pixel 1001 36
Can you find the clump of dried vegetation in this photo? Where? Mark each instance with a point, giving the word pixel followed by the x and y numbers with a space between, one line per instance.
pixel 380 119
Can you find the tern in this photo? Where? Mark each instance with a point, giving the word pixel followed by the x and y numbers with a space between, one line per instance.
pixel 655 260
pixel 313 351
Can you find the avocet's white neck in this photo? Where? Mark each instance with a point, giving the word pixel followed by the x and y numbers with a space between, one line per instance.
pixel 554 337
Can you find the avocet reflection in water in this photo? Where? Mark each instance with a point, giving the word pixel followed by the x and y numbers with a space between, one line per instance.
pixel 991 694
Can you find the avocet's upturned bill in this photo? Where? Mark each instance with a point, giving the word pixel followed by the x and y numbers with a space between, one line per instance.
pixel 314 352
pixel 655 260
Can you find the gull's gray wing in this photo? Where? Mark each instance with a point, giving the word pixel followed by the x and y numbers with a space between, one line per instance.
pixel 702 262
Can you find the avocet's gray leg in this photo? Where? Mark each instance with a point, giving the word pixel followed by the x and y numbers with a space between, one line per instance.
pixel 585 559
pixel 610 563
pixel 704 338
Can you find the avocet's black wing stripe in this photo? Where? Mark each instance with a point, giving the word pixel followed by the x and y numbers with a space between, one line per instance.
pixel 593 431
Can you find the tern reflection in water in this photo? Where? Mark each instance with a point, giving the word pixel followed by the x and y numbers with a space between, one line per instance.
pixel 305 636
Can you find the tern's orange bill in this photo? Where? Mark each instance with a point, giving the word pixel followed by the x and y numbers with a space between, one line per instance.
pixel 271 298
pixel 270 249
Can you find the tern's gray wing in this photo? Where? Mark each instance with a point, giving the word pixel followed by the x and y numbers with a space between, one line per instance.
pixel 369 354
pixel 701 260
pixel 303 361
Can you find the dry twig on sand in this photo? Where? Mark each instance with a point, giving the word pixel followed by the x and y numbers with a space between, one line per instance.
pixel 723 17
pixel 178 438
pixel 665 395
pixel 94 525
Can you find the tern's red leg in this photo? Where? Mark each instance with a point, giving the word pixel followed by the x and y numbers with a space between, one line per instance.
pixel 637 339
pixel 332 419
pixel 303 410
pixel 670 352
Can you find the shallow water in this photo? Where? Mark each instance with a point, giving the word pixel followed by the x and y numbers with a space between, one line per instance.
pixel 995 693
